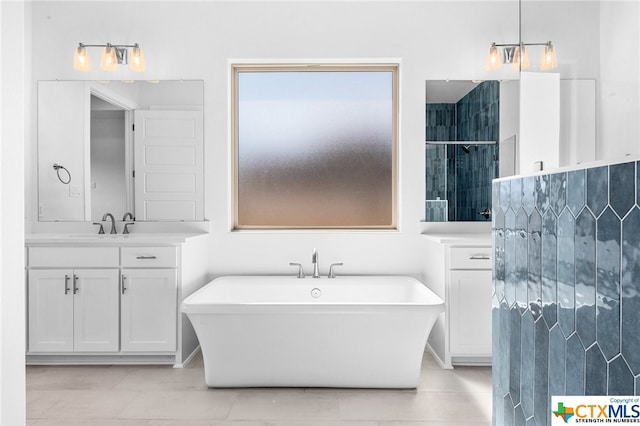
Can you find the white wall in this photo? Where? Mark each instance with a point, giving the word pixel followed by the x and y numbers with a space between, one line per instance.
pixel 577 122
pixel 539 121
pixel 619 85
pixel 63 109
pixel 205 36
pixel 509 123
pixel 14 135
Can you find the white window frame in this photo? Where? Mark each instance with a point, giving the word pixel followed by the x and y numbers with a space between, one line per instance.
pixel 237 68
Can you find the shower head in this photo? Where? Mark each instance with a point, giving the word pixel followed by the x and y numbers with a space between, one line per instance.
pixel 465 148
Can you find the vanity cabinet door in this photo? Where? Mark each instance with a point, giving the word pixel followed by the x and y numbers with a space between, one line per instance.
pixel 470 312
pixel 95 303
pixel 149 310
pixel 73 310
pixel 50 301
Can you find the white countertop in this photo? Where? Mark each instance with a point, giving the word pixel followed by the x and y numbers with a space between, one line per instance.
pixel 460 238
pixel 109 239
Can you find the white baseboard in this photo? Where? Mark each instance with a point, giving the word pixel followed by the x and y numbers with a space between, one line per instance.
pixel 440 362
pixel 188 359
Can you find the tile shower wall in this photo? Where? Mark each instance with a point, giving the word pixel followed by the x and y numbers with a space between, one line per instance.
pixel 436 157
pixel 478 119
pixel 436 210
pixel 441 122
pixel 478 113
pixel 566 294
pixel 441 126
pixel 474 172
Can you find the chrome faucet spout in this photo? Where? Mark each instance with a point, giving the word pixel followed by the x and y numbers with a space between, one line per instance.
pixel 127 215
pixel 314 260
pixel 113 222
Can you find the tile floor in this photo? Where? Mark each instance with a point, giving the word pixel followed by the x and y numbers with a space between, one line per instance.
pixel 162 396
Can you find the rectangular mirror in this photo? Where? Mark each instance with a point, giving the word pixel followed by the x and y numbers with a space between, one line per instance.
pixel 464 128
pixel 120 147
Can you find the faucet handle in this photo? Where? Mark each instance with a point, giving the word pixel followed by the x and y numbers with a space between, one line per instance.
pixel 101 230
pixel 126 229
pixel 300 271
pixel 331 273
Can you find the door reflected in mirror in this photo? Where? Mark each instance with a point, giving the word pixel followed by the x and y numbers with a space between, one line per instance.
pixel 463 130
pixel 132 147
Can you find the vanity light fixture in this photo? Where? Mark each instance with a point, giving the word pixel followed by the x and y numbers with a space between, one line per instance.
pixel 112 55
pixel 518 56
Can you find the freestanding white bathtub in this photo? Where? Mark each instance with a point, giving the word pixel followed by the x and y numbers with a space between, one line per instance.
pixel 271 331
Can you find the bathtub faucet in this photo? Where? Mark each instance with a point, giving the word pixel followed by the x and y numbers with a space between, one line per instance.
pixel 314 260
pixel 300 271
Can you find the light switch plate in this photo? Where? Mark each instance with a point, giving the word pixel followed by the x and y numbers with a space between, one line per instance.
pixel 75 191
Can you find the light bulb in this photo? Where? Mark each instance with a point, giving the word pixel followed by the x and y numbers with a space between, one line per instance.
pixel 520 58
pixel 524 58
pixel 548 61
pixel 136 60
pixel 108 61
pixel 81 60
pixel 494 60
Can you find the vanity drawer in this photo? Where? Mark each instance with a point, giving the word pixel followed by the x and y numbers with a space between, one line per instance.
pixel 73 257
pixel 470 258
pixel 157 257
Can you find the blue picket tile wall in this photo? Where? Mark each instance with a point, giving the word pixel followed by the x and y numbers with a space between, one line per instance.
pixel 477 119
pixel 441 126
pixel 566 291
pixel 436 177
pixel 441 122
pixel 436 210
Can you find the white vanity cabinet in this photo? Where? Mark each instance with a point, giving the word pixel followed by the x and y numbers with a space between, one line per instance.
pixel 459 270
pixel 113 299
pixel 149 295
pixel 470 302
pixel 73 310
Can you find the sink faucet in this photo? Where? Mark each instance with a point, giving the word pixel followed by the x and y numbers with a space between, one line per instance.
pixel 314 260
pixel 126 225
pixel 113 222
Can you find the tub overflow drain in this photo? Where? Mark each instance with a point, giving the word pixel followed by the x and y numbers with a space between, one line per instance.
pixel 316 293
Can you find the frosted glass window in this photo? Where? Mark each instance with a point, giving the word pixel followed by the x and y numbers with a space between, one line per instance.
pixel 315 147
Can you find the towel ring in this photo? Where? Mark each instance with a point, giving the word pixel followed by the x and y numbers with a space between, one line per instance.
pixel 57 168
